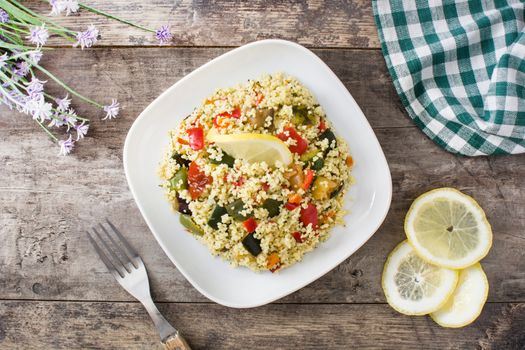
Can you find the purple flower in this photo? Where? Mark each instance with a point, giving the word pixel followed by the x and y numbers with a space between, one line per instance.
pixel 35 87
pixel 111 110
pixel 63 103
pixel 163 34
pixel 56 121
pixel 40 109
pixel 87 38
pixel 35 56
pixel 12 97
pixel 66 146
pixel 61 118
pixel 21 69
pixel 81 129
pixel 57 6
pixel 38 35
pixel 4 16
pixel 69 118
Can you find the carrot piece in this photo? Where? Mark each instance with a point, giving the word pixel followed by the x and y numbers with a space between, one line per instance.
pixel 295 198
pixel 349 161
pixel 273 262
pixel 259 98
pixel 308 179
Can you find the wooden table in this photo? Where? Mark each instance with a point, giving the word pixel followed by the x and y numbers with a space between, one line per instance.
pixel 55 293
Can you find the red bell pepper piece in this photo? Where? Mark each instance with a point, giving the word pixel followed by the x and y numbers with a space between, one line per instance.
pixel 297 236
pixel 250 225
pixel 219 119
pixel 308 179
pixel 291 206
pixel 239 182
pixel 197 181
pixel 236 113
pixel 322 126
pixel 309 216
pixel 300 144
pixel 196 138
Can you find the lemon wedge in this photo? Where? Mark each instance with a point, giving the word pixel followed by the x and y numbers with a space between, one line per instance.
pixel 253 147
pixel 413 286
pixel 448 228
pixel 467 301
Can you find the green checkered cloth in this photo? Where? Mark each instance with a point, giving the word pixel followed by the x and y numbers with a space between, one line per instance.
pixel 459 68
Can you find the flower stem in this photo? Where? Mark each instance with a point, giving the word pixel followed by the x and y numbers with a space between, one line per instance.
pixel 109 15
pixel 5 45
pixel 53 137
pixel 67 88
pixel 39 18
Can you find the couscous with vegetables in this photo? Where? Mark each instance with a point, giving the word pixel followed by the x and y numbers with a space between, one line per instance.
pixel 257 173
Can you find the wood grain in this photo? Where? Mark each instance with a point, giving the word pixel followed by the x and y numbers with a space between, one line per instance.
pixel 47 202
pixel 65 325
pixel 316 23
pixel 56 294
pixel 137 76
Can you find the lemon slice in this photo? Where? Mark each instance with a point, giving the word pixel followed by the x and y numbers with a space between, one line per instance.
pixel 448 228
pixel 253 147
pixel 467 301
pixel 413 286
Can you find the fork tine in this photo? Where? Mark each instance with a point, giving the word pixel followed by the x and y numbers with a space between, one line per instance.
pixel 128 259
pixel 111 251
pixel 131 250
pixel 103 257
pixel 112 256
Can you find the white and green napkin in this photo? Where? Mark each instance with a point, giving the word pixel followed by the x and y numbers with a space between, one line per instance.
pixel 459 69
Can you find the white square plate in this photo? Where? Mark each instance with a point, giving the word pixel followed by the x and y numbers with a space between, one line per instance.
pixel 368 200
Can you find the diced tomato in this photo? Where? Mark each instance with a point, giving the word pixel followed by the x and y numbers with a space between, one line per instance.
pixel 196 138
pixel 291 206
pixel 297 236
pixel 265 187
pixel 300 144
pixel 259 98
pixel 197 181
pixel 182 141
pixel 309 216
pixel 322 126
pixel 250 225
pixel 308 179
pixel 236 113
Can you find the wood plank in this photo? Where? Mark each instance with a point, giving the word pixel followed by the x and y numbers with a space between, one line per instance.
pixel 49 202
pixel 63 325
pixel 46 202
pixel 316 23
pixel 137 76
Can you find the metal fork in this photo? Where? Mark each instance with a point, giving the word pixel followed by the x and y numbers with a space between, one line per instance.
pixel 125 264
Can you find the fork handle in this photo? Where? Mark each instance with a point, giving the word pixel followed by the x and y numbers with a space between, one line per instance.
pixel 170 337
pixel 175 342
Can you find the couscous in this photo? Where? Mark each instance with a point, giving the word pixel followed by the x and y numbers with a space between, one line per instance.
pixel 257 173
